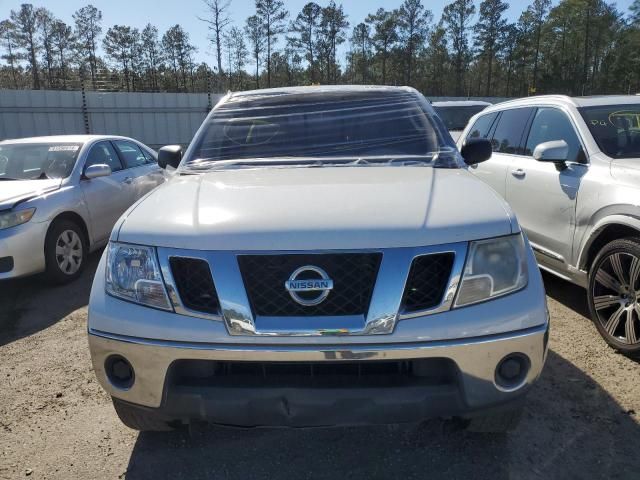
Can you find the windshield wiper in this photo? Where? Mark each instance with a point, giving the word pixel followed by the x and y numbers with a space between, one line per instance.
pixel 205 165
pixel 8 178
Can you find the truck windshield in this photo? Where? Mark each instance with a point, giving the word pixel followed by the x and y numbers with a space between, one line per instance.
pixel 615 128
pixel 37 161
pixel 323 125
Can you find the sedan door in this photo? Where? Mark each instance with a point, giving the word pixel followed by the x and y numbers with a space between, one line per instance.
pixel 544 196
pixel 506 134
pixel 107 197
pixel 146 173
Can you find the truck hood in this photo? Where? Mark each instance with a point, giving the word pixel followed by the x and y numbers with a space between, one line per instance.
pixel 16 191
pixel 318 208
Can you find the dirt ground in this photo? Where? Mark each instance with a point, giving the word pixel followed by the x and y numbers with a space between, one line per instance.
pixel 582 418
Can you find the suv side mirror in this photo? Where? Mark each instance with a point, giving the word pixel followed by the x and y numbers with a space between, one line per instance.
pixel 170 156
pixel 556 151
pixel 476 150
pixel 97 170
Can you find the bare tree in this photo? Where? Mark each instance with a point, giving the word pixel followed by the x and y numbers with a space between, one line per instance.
pixel 413 27
pixel 306 26
pixel 217 22
pixel 361 40
pixel 7 37
pixel 151 53
pixel 26 24
pixel 457 18
pixel 333 25
pixel 119 45
pixel 272 14
pixel 385 35
pixel 88 29
pixel 254 30
pixel 62 40
pixel 45 22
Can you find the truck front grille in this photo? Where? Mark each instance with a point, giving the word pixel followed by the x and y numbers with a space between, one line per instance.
pixel 195 284
pixel 353 274
pixel 427 282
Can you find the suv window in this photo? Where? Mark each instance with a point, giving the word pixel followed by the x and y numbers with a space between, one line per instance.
pixel 130 153
pixel 552 124
pixel 482 126
pixel 103 153
pixel 508 134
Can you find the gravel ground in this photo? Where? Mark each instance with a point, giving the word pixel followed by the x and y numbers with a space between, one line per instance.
pixel 582 418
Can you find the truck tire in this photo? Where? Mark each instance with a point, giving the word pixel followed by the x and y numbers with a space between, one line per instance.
pixel 65 252
pixel 140 418
pixel 495 423
pixel 614 294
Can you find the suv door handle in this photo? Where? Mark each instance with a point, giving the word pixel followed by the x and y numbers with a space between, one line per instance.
pixel 127 180
pixel 518 173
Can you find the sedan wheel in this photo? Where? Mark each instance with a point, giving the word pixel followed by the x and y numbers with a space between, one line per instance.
pixel 65 251
pixel 69 252
pixel 614 294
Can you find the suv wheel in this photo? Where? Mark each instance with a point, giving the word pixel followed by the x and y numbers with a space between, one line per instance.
pixel 614 294
pixel 65 251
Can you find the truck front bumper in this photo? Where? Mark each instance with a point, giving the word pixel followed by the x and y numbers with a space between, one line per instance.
pixel 448 378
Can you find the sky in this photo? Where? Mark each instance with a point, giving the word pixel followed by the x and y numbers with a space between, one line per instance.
pixel 166 13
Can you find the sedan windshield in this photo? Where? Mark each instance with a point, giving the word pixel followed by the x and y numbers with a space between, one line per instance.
pixel 615 128
pixel 37 161
pixel 456 118
pixel 323 125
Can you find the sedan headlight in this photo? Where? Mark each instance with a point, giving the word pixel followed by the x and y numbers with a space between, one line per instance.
pixel 15 217
pixel 494 267
pixel 133 274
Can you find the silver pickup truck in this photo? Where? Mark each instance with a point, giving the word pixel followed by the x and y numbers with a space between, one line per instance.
pixel 320 257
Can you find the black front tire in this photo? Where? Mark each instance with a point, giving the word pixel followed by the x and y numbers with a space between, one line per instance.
pixel 54 272
pixel 614 294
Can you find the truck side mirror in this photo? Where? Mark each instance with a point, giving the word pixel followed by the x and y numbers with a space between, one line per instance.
pixel 476 150
pixel 170 156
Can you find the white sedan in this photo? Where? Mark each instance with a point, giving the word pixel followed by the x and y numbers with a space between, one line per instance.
pixel 60 197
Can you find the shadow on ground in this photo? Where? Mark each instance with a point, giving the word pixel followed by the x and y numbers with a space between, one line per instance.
pixel 571 429
pixel 29 304
pixel 570 295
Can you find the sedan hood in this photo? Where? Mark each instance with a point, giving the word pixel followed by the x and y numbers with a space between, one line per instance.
pixel 16 191
pixel 318 208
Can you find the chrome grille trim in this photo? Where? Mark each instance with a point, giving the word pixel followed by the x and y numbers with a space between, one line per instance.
pixel 384 309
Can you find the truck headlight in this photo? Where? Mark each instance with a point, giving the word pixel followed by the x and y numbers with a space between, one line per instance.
pixel 133 274
pixel 13 218
pixel 493 268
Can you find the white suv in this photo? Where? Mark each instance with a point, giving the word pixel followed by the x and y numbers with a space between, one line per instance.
pixel 319 258
pixel 570 168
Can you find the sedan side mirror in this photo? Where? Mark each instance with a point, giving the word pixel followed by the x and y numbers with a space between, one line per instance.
pixel 96 171
pixel 476 150
pixel 556 151
pixel 170 156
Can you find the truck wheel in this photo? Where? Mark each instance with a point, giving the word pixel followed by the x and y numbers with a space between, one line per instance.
pixel 65 252
pixel 495 423
pixel 614 294
pixel 140 418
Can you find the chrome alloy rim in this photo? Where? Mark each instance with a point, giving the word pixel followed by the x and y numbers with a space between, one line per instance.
pixel 616 297
pixel 69 252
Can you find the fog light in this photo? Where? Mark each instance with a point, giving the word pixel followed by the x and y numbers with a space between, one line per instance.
pixel 119 371
pixel 512 371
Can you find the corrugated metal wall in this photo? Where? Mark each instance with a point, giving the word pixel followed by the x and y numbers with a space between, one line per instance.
pixel 153 118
